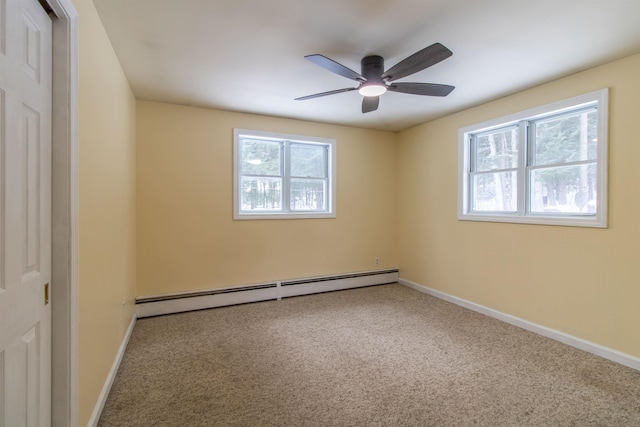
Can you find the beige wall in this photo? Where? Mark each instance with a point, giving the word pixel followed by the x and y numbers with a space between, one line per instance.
pixel 107 230
pixel 187 238
pixel 581 281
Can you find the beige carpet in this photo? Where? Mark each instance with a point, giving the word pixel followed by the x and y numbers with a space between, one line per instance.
pixel 380 356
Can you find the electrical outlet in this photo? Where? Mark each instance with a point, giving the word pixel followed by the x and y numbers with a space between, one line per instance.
pixel 377 260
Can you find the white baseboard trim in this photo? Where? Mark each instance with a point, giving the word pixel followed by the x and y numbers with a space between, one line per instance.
pixel 175 303
pixel 102 399
pixel 590 347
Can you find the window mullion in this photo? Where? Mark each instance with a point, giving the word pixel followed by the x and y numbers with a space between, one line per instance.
pixel 286 178
pixel 326 190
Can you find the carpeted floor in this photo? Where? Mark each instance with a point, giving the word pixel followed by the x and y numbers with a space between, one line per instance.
pixel 379 356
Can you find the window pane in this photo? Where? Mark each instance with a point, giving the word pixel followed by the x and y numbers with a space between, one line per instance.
pixel 497 150
pixel 308 161
pixel 264 194
pixel 495 192
pixel 308 195
pixel 261 157
pixel 564 189
pixel 569 138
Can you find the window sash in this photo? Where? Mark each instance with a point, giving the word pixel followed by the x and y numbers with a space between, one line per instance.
pixel 583 168
pixel 323 202
pixel 490 206
pixel 258 188
pixel 532 138
pixel 475 148
pixel 249 140
pixel 325 163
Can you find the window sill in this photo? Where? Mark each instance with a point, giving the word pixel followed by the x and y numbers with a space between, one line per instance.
pixel 325 215
pixel 591 221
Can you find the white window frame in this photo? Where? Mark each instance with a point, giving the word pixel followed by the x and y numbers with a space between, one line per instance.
pixel 285 213
pixel 599 219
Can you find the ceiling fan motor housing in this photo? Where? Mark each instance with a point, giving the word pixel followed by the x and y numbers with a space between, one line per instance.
pixel 372 69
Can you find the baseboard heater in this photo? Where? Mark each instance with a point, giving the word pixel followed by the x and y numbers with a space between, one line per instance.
pixel 189 301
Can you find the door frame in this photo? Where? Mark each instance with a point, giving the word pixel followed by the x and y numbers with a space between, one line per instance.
pixel 64 217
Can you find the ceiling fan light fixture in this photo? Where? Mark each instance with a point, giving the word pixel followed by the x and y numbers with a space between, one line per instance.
pixel 372 89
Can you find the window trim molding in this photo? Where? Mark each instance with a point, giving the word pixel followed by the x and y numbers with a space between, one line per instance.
pixel 331 165
pixel 599 220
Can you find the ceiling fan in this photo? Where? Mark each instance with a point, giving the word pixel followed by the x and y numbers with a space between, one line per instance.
pixel 374 81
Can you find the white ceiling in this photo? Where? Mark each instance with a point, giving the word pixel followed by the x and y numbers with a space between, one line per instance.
pixel 248 55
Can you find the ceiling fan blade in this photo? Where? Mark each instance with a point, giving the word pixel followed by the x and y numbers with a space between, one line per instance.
pixel 370 103
pixel 420 60
pixel 334 67
pixel 429 89
pixel 331 92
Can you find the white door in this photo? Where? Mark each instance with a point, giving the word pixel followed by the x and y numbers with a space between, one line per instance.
pixel 25 214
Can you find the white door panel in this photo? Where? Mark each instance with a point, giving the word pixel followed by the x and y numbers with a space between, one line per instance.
pixel 25 214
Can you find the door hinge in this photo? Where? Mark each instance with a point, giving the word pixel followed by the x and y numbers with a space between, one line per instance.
pixel 46 293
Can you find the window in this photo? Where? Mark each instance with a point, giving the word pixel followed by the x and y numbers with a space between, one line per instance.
pixel 547 165
pixel 283 176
